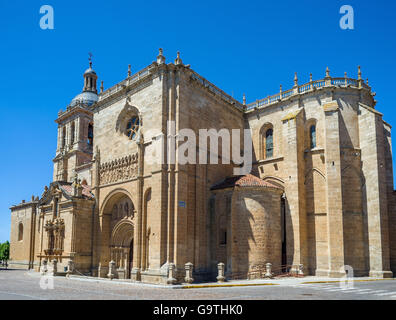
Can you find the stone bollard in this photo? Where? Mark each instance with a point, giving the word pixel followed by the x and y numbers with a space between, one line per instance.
pixel 70 267
pixel 111 273
pixel 189 270
pixel 171 274
pixel 301 270
pixel 268 270
pixel 54 267
pixel 44 267
pixel 220 276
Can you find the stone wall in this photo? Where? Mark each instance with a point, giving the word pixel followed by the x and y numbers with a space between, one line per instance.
pixel 22 237
pixel 251 220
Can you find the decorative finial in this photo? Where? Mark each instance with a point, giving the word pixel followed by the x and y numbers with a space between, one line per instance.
pixel 345 75
pixel 327 72
pixel 280 88
pixel 160 57
pixel 310 77
pixel 129 70
pixel 244 99
pixel 367 81
pixel 178 60
pixel 359 73
pixel 295 79
pixel 90 59
pixel 101 86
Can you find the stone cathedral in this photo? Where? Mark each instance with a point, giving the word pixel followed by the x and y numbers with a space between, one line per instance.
pixel 319 197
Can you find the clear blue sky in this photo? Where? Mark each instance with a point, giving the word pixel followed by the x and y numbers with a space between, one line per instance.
pixel 241 46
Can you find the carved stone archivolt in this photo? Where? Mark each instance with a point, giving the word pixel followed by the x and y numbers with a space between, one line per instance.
pixel 119 170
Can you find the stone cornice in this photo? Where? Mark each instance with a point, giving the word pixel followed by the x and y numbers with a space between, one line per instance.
pixel 24 205
pixel 370 109
pixel 307 90
pixel 331 106
pixel 291 115
pixel 71 111
pixel 386 123
pixel 270 160
pixel 121 89
pixel 70 153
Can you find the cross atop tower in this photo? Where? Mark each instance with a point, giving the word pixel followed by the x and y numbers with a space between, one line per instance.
pixel 90 59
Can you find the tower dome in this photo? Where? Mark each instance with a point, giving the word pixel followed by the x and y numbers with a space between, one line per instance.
pixel 87 98
pixel 89 94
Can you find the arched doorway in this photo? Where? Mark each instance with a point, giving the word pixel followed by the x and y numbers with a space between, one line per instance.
pixel 121 248
pixel 118 227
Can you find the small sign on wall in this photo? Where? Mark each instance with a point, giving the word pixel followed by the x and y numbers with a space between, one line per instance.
pixel 182 204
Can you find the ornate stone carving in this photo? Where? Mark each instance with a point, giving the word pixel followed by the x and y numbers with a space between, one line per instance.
pixel 119 170
pixel 56 233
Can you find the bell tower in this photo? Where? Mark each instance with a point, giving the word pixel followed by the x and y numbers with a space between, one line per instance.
pixel 90 78
pixel 76 133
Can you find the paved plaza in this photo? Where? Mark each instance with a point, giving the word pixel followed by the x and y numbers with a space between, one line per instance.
pixel 25 285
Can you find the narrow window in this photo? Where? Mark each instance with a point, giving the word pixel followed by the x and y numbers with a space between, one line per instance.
pixel 73 132
pixel 269 144
pixel 212 202
pixel 312 135
pixel 90 134
pixel 63 137
pixel 223 237
pixel 20 232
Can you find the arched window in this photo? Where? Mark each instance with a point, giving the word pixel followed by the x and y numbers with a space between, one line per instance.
pixel 73 132
pixel 269 143
pixel 132 127
pixel 312 136
pixel 222 230
pixel 90 134
pixel 20 232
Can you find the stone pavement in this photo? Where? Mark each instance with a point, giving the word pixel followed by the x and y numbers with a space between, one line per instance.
pixel 25 285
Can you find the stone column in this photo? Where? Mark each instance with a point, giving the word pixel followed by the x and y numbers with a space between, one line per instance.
pixel 170 147
pixel 372 140
pixel 59 139
pixel 137 244
pixel 103 240
pixel 296 225
pixel 68 129
pixel 77 136
pixel 335 230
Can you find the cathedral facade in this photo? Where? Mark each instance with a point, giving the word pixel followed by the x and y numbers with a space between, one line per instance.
pixel 319 196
